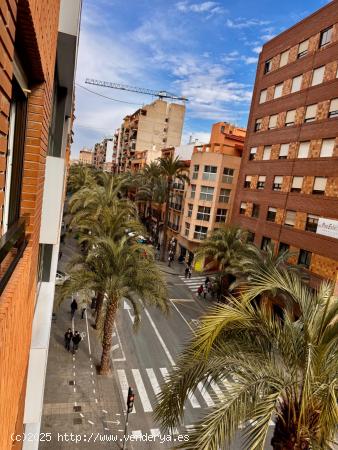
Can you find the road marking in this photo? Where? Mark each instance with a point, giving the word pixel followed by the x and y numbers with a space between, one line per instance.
pixel 193 400
pixel 94 392
pixel 153 381
pixel 91 423
pixel 172 362
pixel 81 415
pixel 118 338
pixel 137 433
pixel 217 390
pixel 155 431
pixel 89 348
pixel 142 391
pixel 179 312
pixel 164 373
pixel 208 400
pixel 182 300
pixel 106 412
pixel 124 384
pixel 115 347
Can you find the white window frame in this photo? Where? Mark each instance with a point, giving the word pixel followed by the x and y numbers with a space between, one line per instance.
pixel 318 76
pixel 284 58
pixel 327 148
pixel 296 83
pixel 303 49
pixel 303 150
pixel 333 110
pixel 278 92
pixel 283 151
pixel 262 96
pixel 310 113
pixel 288 121
pixel 267 153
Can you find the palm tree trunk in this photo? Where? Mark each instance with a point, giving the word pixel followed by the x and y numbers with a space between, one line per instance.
pixel 165 224
pixel 108 337
pixel 158 219
pixel 99 305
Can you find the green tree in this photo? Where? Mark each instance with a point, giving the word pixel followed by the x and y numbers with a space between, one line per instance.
pixel 171 168
pixel 120 270
pixel 286 370
pixel 80 176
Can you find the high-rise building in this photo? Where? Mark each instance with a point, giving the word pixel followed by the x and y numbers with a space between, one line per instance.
pixel 206 203
pixel 288 183
pixel 38 49
pixel 150 128
pixel 103 154
pixel 86 156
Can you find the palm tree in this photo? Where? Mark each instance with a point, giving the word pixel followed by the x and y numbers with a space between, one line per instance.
pixel 80 176
pixel 285 370
pixel 147 181
pixel 120 270
pixel 171 168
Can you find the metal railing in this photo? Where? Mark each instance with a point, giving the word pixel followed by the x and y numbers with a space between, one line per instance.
pixel 12 246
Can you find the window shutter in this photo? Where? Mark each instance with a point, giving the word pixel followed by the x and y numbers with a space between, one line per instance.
pixel 320 184
pixel 303 46
pixel 290 217
pixel 290 116
pixel 284 150
pixel 272 209
pixel 334 105
pixel 327 147
pixel 311 111
pixel 273 121
pixel 318 76
pixel 297 182
pixel 266 153
pixel 248 178
pixel 296 83
pixel 243 205
pixel 278 180
pixel 303 151
pixel 262 97
pixel 284 57
pixel 278 90
pixel 253 150
pixel 261 178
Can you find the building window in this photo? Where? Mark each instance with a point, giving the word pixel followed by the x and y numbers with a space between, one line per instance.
pixel 262 97
pixel 277 183
pixel 310 113
pixel 319 186
pixel 209 173
pixel 250 236
pixel 203 213
pixel 273 122
pixel 283 151
pixel 268 66
pixel 192 190
pixel 206 193
pixel 284 57
pixel 283 247
pixel 247 182
pixel 318 76
pixel 290 218
pixel 278 90
pixel 327 148
pixel 255 211
pixel 333 111
pixel 297 183
pixel 261 182
pixel 190 207
pixel 258 124
pixel 252 154
pixel 290 118
pixel 303 151
pixel 228 175
pixel 325 37
pixel 195 172
pixel 224 195
pixel 186 229
pixel 271 215
pixel 311 223
pixel 143 112
pixel 265 242
pixel 267 152
pixel 303 49
pixel 304 258
pixel 200 232
pixel 242 208
pixel 221 215
pixel 296 83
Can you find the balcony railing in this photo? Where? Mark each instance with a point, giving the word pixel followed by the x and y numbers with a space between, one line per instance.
pixel 12 246
pixel 173 226
pixel 176 206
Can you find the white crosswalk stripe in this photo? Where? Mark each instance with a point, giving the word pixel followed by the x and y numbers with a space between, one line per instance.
pixel 137 433
pixel 217 390
pixel 141 391
pixel 124 385
pixel 153 381
pixel 193 283
pixel 155 431
pixel 208 400
pixel 193 400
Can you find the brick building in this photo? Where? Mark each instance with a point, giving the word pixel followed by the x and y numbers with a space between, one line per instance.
pixel 38 42
pixel 288 184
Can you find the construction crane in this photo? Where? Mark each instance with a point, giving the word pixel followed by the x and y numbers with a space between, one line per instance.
pixel 125 87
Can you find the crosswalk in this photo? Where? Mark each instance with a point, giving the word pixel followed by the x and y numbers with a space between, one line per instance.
pixel 193 283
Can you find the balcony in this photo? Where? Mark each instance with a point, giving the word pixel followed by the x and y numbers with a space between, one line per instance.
pixel 176 206
pixel 12 246
pixel 179 186
pixel 173 226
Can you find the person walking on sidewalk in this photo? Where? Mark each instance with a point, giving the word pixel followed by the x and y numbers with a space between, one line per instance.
pixel 68 338
pixel 76 341
pixel 83 310
pixel 73 307
pixel 189 271
pixel 186 271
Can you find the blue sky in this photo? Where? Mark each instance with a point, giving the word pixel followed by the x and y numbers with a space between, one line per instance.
pixel 204 50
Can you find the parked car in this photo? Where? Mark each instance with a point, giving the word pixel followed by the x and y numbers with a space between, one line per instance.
pixel 61 277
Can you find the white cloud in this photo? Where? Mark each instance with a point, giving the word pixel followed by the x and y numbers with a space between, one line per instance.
pixel 204 7
pixel 237 57
pixel 257 49
pixel 240 23
pixel 202 137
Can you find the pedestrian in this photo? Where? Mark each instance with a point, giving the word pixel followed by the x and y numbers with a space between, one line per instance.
pixel 170 258
pixel 186 271
pixel 73 307
pixel 209 286
pixel 93 303
pixel 189 272
pixel 60 254
pixel 200 290
pixel 68 338
pixel 83 310
pixel 207 280
pixel 76 341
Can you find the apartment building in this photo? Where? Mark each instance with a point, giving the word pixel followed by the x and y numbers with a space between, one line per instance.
pixel 86 156
pixel 288 184
pixel 38 49
pixel 207 202
pixel 150 129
